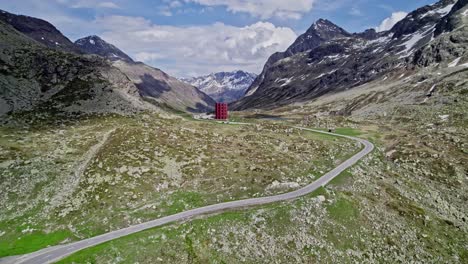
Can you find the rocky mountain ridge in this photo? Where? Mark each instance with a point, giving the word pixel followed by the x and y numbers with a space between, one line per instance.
pixel 39 30
pixel 223 86
pixel 328 59
pixel 96 45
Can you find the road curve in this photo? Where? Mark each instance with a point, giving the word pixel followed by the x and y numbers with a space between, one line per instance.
pixel 53 254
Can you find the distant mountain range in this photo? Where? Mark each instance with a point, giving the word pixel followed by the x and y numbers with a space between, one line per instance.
pixel 223 86
pixel 43 69
pixel 328 59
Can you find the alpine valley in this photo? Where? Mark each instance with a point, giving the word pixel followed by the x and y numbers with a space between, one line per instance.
pixel 346 148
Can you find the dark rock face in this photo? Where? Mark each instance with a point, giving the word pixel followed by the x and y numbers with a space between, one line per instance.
pixel 321 31
pixel 96 45
pixel 450 22
pixel 328 59
pixel 446 47
pixel 39 30
pixel 421 17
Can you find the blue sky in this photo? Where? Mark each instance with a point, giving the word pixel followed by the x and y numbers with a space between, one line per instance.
pixel 194 37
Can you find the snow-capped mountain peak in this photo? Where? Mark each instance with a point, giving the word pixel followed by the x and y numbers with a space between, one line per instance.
pixel 95 45
pixel 223 86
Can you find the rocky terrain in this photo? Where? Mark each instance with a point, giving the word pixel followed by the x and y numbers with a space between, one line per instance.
pixel 328 59
pixel 67 179
pixel 223 86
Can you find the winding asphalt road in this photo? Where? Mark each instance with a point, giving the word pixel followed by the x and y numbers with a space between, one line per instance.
pixel 53 254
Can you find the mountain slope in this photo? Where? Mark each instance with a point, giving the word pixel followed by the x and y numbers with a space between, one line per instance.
pixel 39 30
pixel 34 77
pixel 156 86
pixel 96 45
pixel 223 86
pixel 153 84
pixel 342 61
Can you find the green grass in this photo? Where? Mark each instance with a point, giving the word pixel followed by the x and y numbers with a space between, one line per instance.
pixel 341 179
pixel 183 201
pixel 343 210
pixel 348 131
pixel 32 242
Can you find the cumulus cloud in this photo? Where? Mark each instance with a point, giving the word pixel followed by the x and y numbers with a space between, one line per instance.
pixel 264 8
pixel 389 22
pixel 195 50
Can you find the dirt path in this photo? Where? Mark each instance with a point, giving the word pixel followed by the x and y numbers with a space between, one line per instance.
pixel 71 182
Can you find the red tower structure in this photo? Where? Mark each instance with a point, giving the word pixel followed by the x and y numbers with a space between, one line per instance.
pixel 221 111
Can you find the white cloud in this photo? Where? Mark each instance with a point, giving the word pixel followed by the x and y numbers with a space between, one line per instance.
pixel 148 56
pixel 389 22
pixel 264 8
pixel 196 49
pixel 355 11
pixel 175 4
pixel 108 5
pixel 88 4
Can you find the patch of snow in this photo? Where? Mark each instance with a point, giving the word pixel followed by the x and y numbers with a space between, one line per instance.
pixel 252 91
pixel 285 81
pixel 454 63
pixel 333 57
pixel 56 43
pixel 42 38
pixel 324 74
pixel 379 40
pixel 465 13
pixel 92 41
pixel 386 77
pixel 401 76
pixel 464 65
pixel 413 40
pixel 285 60
pixel 441 11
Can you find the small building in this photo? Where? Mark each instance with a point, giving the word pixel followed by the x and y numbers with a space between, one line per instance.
pixel 221 111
